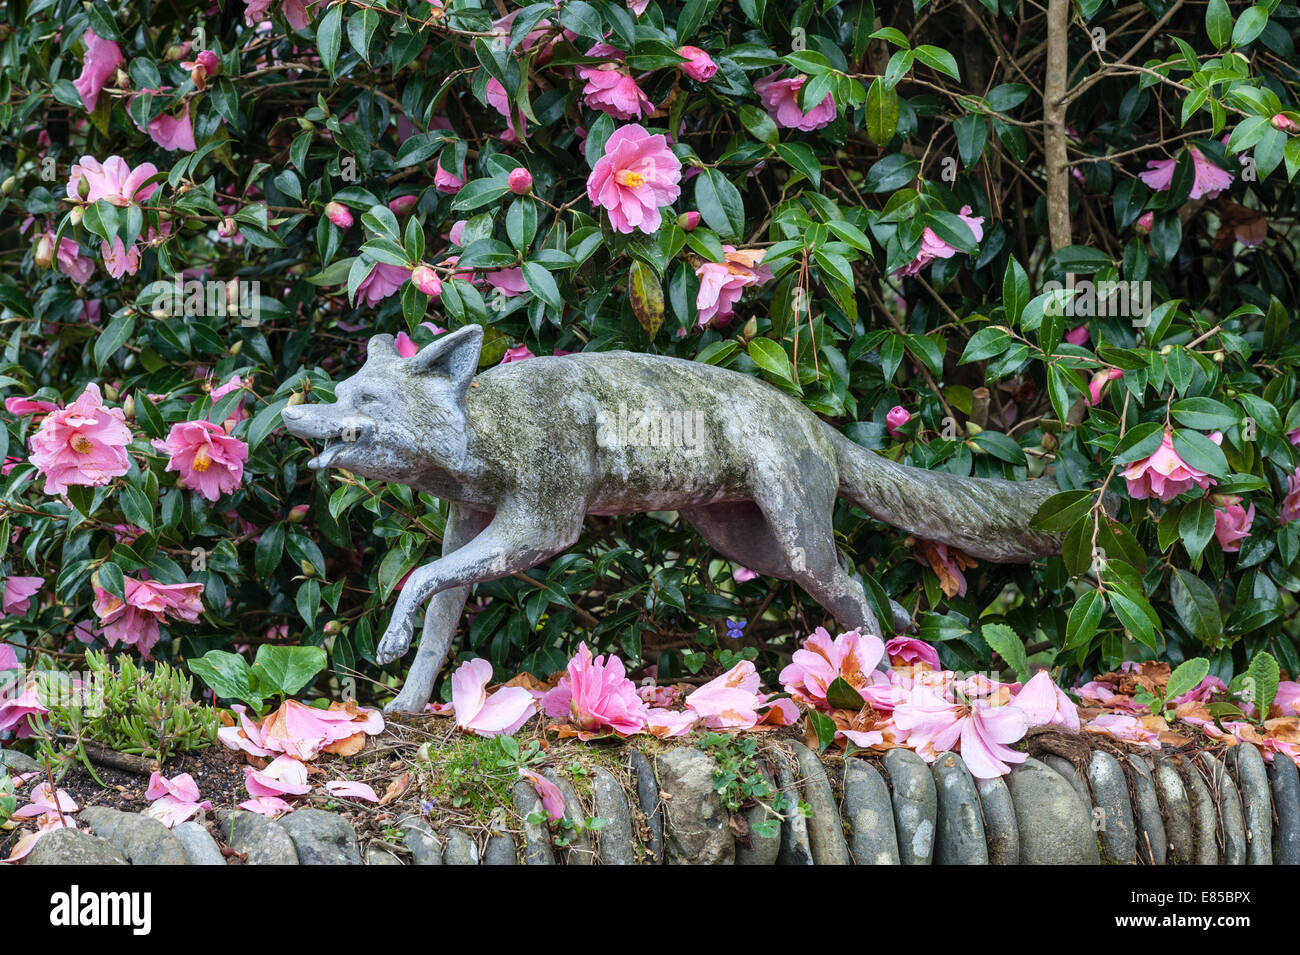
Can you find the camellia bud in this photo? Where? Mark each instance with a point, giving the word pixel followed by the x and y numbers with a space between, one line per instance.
pixel 1285 123
pixel 77 214
pixel 520 180
pixel 174 52
pixel 333 627
pixel 122 78
pixel 699 65
pixel 750 329
pixel 83 187
pixel 307 569
pixel 128 407
pixel 111 393
pixel 295 399
pixel 45 252
pixel 1218 357
pixel 403 204
pixel 237 347
pixel 298 513
pixel 1166 349
pixel 339 214
pixel 1144 223
pixel 228 228
pixel 7 187
pixel 306 125
pixel 689 220
pixel 1049 441
pixel 427 281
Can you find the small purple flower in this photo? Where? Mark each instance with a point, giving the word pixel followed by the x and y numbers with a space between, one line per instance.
pixel 735 630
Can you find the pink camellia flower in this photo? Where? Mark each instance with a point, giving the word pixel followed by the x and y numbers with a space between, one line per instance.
pixel 549 793
pixel 934 725
pixel 339 214
pixel 8 657
pixel 448 182
pixel 1287 698
pixel 733 701
pixel 295 11
pixel 742 574
pixel 596 696
pixel 43 801
pixel 1098 384
pixel 427 281
pixel 688 220
pixel 1203 692
pixel 1232 526
pixel 19 405
pixel 517 353
pixel 1077 335
pixel 509 282
pixel 174 800
pixel 520 181
pixel 173 132
pixel 933 247
pixel 502 713
pixel 70 261
pixel 638 6
pixel 499 100
pixel 118 259
pixel 350 789
pixel 18 595
pixel 637 175
pixel 16 710
pixel 283 776
pixel 103 57
pixel 1209 179
pixel 1045 704
pixel 851 656
pixel 699 65
pixel 405 346
pixel 1164 474
pixel 1124 727
pixel 113 180
pixel 908 651
pixel 897 417
pixel 1145 223
pixel 135 621
pixel 301 731
pixel 204 65
pixel 1106 696
pixel 722 283
pixel 82 444
pixel 610 87
pixel 207 459
pixel 382 282
pixel 781 100
pixel 1285 123
pixel 1290 509
pixel 457 232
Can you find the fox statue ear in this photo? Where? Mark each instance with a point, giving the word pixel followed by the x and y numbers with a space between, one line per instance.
pixel 454 356
pixel 381 345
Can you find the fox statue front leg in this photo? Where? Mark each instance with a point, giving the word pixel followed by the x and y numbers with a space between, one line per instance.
pixel 517 538
pixel 441 616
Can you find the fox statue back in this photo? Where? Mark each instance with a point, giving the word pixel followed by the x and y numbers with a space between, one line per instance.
pixel 524 451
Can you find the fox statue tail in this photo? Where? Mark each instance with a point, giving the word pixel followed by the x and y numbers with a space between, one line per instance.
pixel 984 517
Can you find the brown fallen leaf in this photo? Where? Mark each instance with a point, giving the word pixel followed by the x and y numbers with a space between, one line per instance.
pixel 395 789
pixel 346 747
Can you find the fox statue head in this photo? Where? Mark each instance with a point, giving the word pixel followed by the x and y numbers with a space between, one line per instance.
pixel 397 419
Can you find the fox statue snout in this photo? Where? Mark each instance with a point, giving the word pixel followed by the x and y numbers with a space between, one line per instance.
pixel 519 454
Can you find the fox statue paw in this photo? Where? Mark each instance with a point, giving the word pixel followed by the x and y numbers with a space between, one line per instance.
pixel 396 640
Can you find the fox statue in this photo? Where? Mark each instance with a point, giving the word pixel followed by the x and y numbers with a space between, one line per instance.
pixel 525 450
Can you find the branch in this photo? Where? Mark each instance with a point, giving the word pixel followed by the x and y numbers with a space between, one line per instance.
pixel 1057 161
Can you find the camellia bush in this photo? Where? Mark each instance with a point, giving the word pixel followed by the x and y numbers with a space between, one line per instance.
pixel 988 238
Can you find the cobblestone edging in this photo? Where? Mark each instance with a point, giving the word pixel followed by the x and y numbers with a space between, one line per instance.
pixel 1214 808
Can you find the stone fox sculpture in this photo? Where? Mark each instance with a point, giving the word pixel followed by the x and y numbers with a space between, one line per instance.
pixel 524 451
